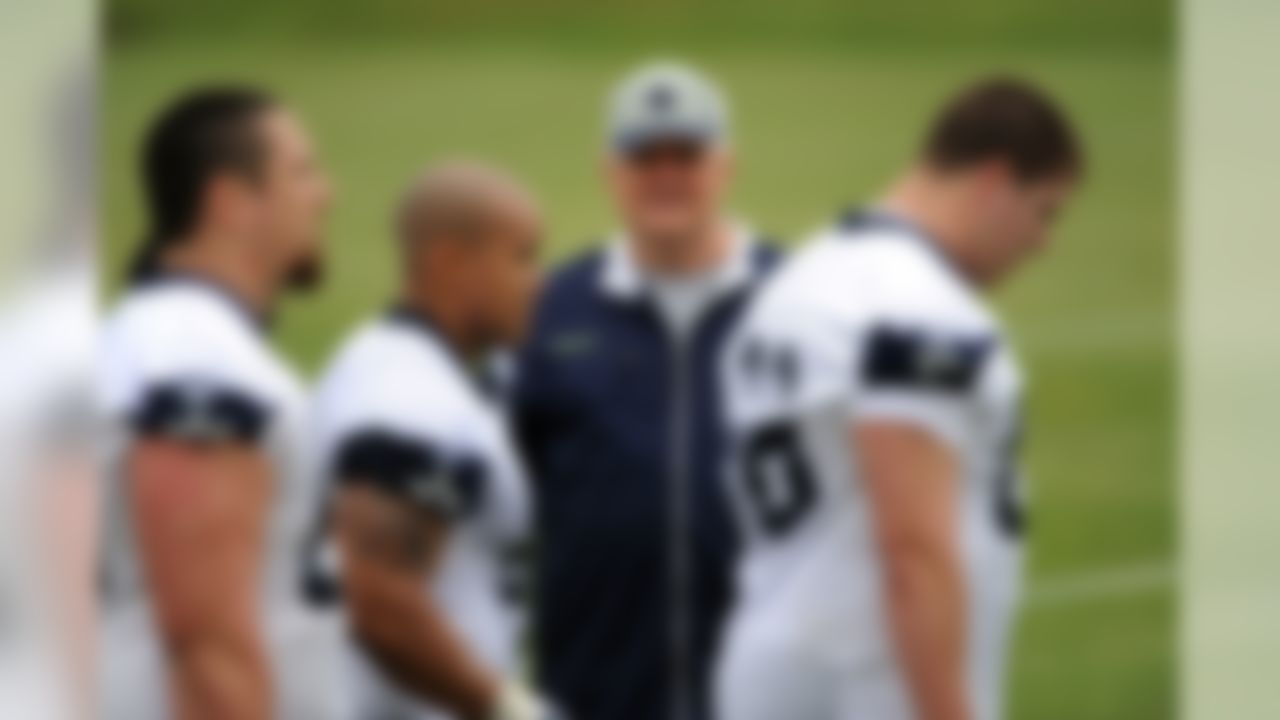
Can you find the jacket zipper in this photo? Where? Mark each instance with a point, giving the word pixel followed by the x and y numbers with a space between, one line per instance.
pixel 678 556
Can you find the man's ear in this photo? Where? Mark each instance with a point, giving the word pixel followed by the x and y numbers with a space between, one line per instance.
pixel 444 253
pixel 225 202
pixel 996 174
pixel 990 182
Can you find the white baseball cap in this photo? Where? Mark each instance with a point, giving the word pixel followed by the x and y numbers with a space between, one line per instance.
pixel 666 101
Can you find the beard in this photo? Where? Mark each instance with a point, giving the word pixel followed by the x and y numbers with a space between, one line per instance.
pixel 305 274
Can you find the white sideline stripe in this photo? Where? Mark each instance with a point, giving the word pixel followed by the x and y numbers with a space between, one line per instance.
pixel 1083 587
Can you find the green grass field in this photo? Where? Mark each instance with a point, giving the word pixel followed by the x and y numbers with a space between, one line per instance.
pixel 819 127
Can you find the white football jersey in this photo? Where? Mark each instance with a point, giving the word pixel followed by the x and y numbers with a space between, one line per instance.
pixel 181 357
pixel 399 408
pixel 867 322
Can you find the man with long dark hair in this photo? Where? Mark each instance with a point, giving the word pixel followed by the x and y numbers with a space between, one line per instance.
pixel 201 617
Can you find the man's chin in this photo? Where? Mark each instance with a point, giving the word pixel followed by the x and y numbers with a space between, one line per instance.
pixel 305 276
pixel 668 233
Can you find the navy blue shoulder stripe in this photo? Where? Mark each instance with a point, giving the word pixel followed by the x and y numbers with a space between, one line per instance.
pixel 410 468
pixel 898 357
pixel 200 411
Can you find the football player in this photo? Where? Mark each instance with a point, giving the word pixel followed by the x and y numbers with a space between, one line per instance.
pixel 201 617
pixel 429 508
pixel 874 402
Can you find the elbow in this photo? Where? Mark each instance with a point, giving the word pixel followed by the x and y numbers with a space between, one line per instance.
pixel 914 566
pixel 183 640
pixel 189 629
pixel 362 614
pixel 216 659
pixel 374 611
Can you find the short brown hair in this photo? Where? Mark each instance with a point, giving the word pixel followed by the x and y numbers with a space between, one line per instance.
pixel 1009 119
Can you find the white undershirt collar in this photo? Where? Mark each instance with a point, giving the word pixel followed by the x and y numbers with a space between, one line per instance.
pixel 623 278
pixel 680 300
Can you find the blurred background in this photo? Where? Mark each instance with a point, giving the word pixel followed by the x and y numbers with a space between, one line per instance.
pixel 830 98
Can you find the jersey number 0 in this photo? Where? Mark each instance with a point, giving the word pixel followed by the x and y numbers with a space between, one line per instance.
pixel 780 486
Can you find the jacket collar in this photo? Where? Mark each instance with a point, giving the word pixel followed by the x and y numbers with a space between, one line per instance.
pixel 622 278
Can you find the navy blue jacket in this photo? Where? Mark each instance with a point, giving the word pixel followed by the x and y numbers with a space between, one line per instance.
pixel 621 428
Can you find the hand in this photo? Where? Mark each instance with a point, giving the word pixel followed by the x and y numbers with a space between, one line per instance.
pixel 517 702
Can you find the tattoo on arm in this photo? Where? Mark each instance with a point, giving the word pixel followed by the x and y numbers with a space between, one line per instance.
pixel 395 533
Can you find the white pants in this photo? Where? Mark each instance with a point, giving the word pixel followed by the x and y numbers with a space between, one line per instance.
pixel 764 677
pixel 370 695
pixel 813 662
pixel 757 682
pixel 133 678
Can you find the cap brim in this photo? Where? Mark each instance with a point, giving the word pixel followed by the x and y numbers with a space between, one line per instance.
pixel 642 139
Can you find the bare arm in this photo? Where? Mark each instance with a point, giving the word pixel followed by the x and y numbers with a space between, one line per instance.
pixel 200 515
pixel 389 548
pixel 911 479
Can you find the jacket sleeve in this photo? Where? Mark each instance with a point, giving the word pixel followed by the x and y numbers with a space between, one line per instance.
pixel 537 409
